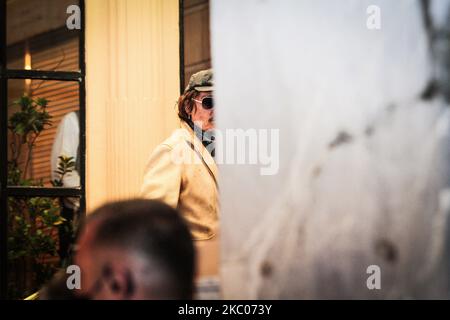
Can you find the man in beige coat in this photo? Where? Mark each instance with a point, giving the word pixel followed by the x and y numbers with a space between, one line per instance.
pixel 181 171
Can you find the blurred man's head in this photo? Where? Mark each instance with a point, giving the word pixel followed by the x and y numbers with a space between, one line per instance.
pixel 138 249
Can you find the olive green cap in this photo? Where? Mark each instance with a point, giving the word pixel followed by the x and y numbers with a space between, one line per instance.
pixel 201 81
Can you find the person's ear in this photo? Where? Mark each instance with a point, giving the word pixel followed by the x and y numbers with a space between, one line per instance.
pixel 194 107
pixel 189 113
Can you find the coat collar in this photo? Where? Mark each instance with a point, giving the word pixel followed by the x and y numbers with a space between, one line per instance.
pixel 200 149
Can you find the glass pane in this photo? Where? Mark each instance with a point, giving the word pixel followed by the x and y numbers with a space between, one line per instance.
pixel 38 37
pixel 43 136
pixel 41 231
pixel 197 51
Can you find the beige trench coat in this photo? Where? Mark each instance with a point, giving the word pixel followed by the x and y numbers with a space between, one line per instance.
pixel 182 173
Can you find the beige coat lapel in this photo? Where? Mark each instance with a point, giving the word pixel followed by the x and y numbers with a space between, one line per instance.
pixel 200 149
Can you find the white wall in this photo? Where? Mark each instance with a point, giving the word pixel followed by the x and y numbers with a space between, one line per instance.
pixel 364 162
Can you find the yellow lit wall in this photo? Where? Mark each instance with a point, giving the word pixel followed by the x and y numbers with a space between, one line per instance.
pixel 132 84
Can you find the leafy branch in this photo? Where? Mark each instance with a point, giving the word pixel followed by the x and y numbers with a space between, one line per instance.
pixel 32 222
pixel 26 126
pixel 65 165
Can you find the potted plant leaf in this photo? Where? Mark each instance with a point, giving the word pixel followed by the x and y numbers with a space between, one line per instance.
pixel 33 222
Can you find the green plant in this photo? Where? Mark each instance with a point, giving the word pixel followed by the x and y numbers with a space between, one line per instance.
pixel 26 125
pixel 65 165
pixel 32 222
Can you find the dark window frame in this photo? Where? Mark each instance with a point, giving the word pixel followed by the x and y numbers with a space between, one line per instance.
pixel 8 191
pixel 181 44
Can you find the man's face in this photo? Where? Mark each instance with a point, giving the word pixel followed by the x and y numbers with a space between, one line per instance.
pixel 85 259
pixel 201 116
pixel 114 274
pixel 95 284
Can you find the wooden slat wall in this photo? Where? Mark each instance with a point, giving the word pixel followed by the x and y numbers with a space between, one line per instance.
pixel 27 18
pixel 62 96
pixel 63 57
pixel 132 85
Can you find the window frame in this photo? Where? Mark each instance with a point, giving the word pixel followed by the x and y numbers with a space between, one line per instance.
pixel 14 191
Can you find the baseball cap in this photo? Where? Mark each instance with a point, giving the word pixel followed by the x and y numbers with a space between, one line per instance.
pixel 201 81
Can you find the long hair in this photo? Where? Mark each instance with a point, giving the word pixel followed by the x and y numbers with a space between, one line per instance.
pixel 186 105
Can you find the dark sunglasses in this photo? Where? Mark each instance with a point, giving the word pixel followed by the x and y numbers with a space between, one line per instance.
pixel 207 102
